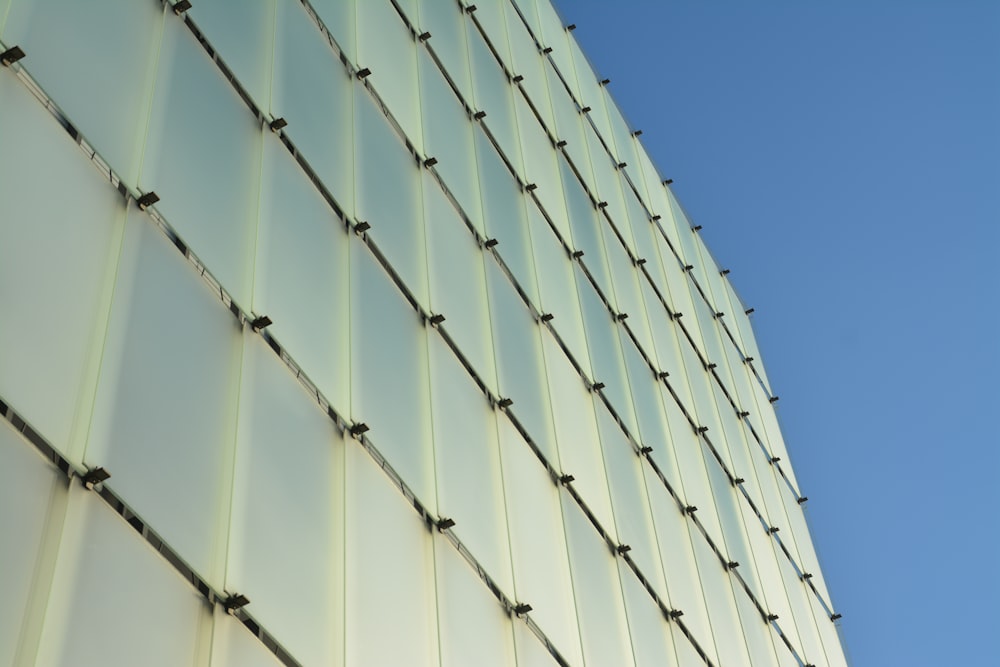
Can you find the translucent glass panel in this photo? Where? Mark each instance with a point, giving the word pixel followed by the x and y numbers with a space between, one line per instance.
pixel 718 590
pixel 57 262
pixel 453 251
pixel 600 606
pixel 555 36
pixel 652 637
pixel 586 226
pixel 538 545
pixel 541 168
pixel 389 194
pixel 390 603
pixel 679 565
pixel 528 63
pixel 389 381
pixel 166 404
pixel 467 458
pixel 520 366
pixel 104 86
pixel 234 646
pixel 314 93
pixel 448 137
pixel 206 169
pixel 386 47
pixel 576 430
pixel 505 216
pixel 494 96
pixel 114 594
pixel 29 509
pixel 633 520
pixel 477 630
pixel 286 545
pixel 243 34
pixel 339 17
pixel 446 24
pixel 557 281
pixel 302 274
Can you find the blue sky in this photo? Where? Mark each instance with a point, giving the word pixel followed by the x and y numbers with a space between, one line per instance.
pixel 844 160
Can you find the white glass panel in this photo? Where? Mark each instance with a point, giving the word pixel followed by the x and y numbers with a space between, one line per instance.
pixel 569 126
pixel 116 602
pixel 541 168
pixel 554 35
pixel 520 368
pixel 761 641
pixel 286 545
pixel 832 645
pixel 388 194
pixel 458 281
pixel 652 638
pixel 494 96
pixel 600 609
pixel 628 495
pixel 538 545
pixel 606 355
pixel 531 652
pixel 557 280
pixel 386 47
pixel 448 137
pixel 95 59
pixel 475 628
pixel 469 482
pixel 626 283
pixel 234 646
pixel 679 567
pixel 505 215
pixel 340 18
pixel 202 157
pixel 528 62
pixel 166 404
pixel 809 646
pixel 586 225
pixel 243 34
pixel 29 491
pixel 313 92
pixel 57 262
pixel 389 383
pixel 718 590
pixel 445 22
pixel 576 430
pixel 390 603
pixel 591 93
pixel 302 276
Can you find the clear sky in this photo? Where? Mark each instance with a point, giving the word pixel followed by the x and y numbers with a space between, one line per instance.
pixel 844 160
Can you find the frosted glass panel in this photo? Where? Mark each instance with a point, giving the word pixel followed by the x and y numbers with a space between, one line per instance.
pixel 538 545
pixel 652 637
pixel 340 18
pixel 57 251
pixel 520 369
pixel 493 95
pixel 541 168
pixel 103 86
pixel 718 590
pixel 576 430
pixel 586 226
pixel 446 23
pixel 448 137
pixel 389 373
pixel 390 572
pixel 505 215
pixel 453 252
pixel 243 34
pixel 469 481
pixel 477 629
pixel 313 92
pixel 531 652
pixel 163 419
pixel 286 545
pixel 386 47
pixel 529 64
pixel 206 169
pixel 388 194
pixel 628 495
pixel 599 604
pixel 234 646
pixel 112 592
pixel 25 499
pixel 302 275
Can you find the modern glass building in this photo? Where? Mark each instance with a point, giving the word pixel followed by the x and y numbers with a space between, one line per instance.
pixel 367 333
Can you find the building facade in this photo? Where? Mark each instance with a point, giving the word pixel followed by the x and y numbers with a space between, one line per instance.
pixel 367 333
